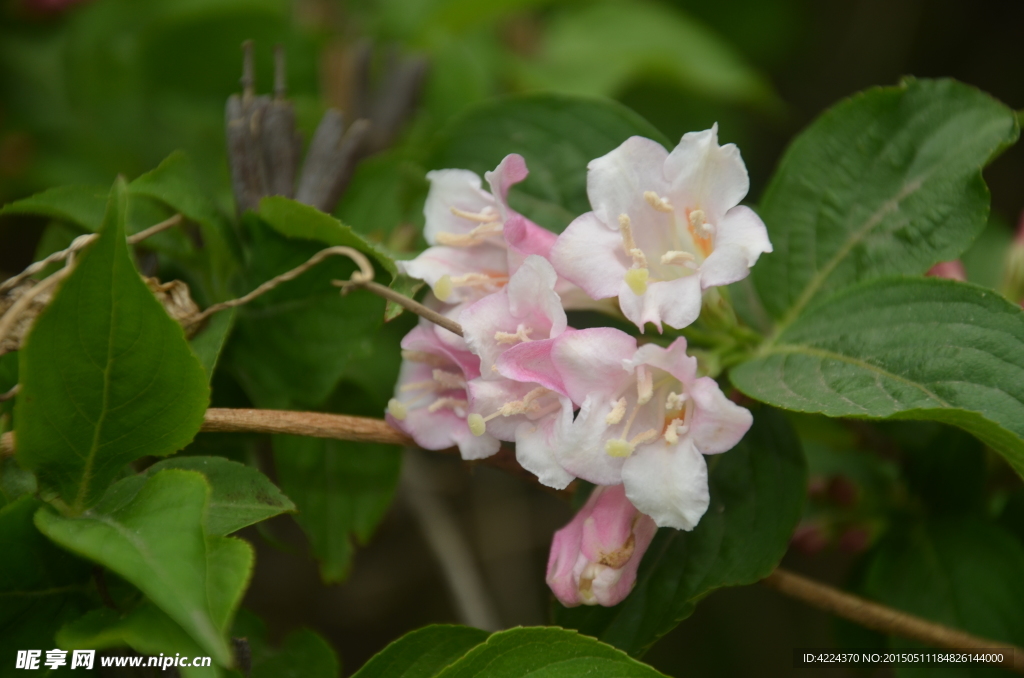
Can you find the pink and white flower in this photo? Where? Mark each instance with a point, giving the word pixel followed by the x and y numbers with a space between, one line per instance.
pixel 477 240
pixel 526 311
pixel 431 403
pixel 645 418
pixel 594 559
pixel 664 227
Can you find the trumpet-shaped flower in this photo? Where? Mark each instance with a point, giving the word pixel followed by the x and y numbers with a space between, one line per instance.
pixel 595 557
pixel 526 311
pixel 431 403
pixel 664 227
pixel 645 418
pixel 477 239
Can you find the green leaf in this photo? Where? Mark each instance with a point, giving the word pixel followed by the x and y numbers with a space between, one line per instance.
pixel 962 573
pixel 886 182
pixel 106 374
pixel 293 345
pixel 634 39
pixel 757 491
pixel 545 651
pixel 80 205
pixel 240 496
pixel 403 285
pixel 208 344
pixel 302 653
pixel 923 348
pixel 424 653
pixel 155 540
pixel 342 490
pixel 8 379
pixel 146 629
pixel 295 220
pixel 557 135
pixel 41 586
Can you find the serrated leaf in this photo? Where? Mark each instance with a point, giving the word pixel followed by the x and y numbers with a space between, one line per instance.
pixel 106 375
pixel 156 541
pixel 406 286
pixel 757 492
pixel 146 629
pixel 423 653
pixel 295 220
pixel 80 205
pixel 545 651
pixel 962 573
pixel 342 490
pixel 41 586
pixel 557 135
pixel 927 349
pixel 302 653
pixel 886 182
pixel 240 495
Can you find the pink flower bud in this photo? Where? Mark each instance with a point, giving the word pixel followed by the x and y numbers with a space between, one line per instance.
pixel 595 557
pixel 809 539
pixel 953 270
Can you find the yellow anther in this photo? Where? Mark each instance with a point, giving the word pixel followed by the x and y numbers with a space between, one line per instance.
pixel 617 413
pixel 522 333
pixel 626 229
pixel 449 380
pixel 474 237
pixel 477 426
pixel 443 288
pixel 699 225
pixel 675 401
pixel 672 431
pixel 450 403
pixel 484 216
pixel 636 278
pixel 645 437
pixel 397 409
pixel 657 202
pixel 644 386
pixel 617 447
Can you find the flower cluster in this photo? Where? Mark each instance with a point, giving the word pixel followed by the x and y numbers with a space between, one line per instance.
pixel 636 420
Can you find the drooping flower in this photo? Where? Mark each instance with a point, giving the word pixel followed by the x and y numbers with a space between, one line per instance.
pixel 594 559
pixel 477 241
pixel 431 403
pixel 664 227
pixel 526 311
pixel 645 418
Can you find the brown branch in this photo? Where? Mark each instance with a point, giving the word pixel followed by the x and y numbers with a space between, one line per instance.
pixel 887 620
pixel 403 301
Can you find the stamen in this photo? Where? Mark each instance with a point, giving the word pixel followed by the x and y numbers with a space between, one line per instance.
pixel 449 380
pixel 637 276
pixel 484 216
pixel 397 409
pixel 425 358
pixel 699 225
pixel 418 386
pixel 477 426
pixel 644 385
pixel 617 413
pixel 522 333
pixel 509 409
pixel 474 237
pixel 645 437
pixel 677 258
pixel 478 280
pixel 675 401
pixel 672 431
pixel 657 202
pixel 451 403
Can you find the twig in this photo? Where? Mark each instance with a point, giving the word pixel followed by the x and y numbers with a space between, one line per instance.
pixel 441 530
pixel 403 301
pixel 312 424
pixel 25 300
pixel 4 397
pixel 7 445
pixel 886 619
pixel 365 273
pixel 80 242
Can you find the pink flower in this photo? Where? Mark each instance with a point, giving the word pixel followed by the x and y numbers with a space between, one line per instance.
pixel 477 239
pixel 595 557
pixel 537 418
pixel 953 270
pixel 645 419
pixel 431 403
pixel 665 227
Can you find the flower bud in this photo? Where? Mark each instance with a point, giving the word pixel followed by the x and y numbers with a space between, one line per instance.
pixel 595 557
pixel 1013 272
pixel 953 270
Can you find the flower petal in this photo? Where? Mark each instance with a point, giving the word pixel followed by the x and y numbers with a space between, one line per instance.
pixel 705 175
pixel 584 455
pixel 450 188
pixel 741 238
pixel 511 170
pixel 590 362
pixel 668 482
pixel 536 443
pixel 591 255
pixel 675 303
pixel 531 362
pixel 673 360
pixel 718 423
pixel 525 237
pixel 617 181
pixel 435 262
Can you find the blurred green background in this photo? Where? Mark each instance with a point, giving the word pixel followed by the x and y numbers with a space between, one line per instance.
pixel 92 89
